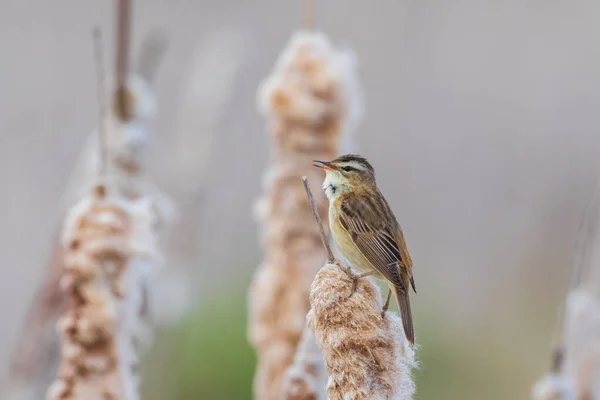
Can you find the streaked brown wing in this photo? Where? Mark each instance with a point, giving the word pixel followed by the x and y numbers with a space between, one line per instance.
pixel 374 233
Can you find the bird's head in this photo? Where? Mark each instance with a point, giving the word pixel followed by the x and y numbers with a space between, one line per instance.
pixel 345 174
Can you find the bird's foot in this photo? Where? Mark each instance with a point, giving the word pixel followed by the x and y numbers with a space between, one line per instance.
pixel 346 270
pixel 354 285
pixel 350 274
pixel 386 305
pixel 355 279
pixel 383 312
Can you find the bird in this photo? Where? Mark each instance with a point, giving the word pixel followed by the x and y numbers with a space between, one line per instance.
pixel 366 231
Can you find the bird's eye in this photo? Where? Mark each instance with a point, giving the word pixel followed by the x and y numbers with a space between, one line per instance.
pixel 348 168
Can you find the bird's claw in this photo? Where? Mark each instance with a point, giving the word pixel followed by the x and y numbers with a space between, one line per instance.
pixel 348 271
pixel 383 312
pixel 354 285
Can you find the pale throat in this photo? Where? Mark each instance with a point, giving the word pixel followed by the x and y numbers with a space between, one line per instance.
pixel 335 185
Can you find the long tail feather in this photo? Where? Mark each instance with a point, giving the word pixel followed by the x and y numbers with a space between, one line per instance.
pixel 404 306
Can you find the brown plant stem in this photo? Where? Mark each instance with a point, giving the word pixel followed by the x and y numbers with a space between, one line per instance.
pixel 123 108
pixel 102 109
pixel 315 211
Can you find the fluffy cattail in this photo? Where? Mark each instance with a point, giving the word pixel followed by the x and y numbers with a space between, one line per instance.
pixel 575 366
pixel 111 255
pixel 305 378
pixel 555 386
pixel 582 342
pixel 367 356
pixel 575 373
pixel 126 145
pixel 106 240
pixel 36 352
pixel 310 99
pixel 110 248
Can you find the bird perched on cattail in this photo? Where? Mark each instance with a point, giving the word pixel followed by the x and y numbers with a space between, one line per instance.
pixel 366 231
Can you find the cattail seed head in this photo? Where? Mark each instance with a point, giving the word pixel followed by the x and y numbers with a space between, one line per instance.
pixel 367 356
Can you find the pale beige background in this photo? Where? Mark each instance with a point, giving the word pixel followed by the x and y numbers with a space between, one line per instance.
pixel 481 120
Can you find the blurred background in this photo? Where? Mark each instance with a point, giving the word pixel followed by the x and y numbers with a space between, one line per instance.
pixel 480 118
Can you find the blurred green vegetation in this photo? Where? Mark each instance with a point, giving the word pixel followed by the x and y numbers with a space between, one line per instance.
pixel 207 356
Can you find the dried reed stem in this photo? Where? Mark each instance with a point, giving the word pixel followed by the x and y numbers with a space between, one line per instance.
pixel 124 145
pixel 575 369
pixel 308 101
pixel 308 14
pixel 582 342
pixel 100 88
pixel 122 99
pixel 315 210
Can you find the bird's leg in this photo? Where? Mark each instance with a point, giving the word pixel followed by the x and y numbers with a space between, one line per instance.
pixel 349 273
pixel 346 270
pixel 387 304
pixel 355 279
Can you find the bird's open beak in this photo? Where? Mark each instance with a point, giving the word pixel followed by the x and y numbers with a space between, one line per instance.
pixel 324 165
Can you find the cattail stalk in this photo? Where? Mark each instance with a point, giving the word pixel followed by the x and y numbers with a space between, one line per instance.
pixel 35 357
pixel 110 250
pixel 576 375
pixel 582 342
pixel 106 240
pixel 575 361
pixel 309 101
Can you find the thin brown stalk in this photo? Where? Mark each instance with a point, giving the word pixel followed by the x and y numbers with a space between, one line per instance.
pixel 574 355
pixel 315 211
pixel 308 14
pixel 581 263
pixel 100 87
pixel 123 108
